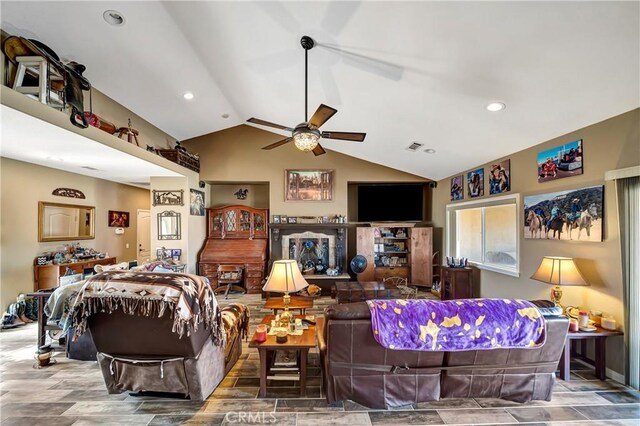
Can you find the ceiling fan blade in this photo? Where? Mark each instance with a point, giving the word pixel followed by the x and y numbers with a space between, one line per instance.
pixel 268 123
pixel 345 136
pixel 318 150
pixel 277 144
pixel 322 114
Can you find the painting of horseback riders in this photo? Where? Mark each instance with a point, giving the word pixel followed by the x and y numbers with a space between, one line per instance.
pixel 575 214
pixel 560 162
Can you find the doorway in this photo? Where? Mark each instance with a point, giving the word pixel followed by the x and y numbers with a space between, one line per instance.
pixel 144 236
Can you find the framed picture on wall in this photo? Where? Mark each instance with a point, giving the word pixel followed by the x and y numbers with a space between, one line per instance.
pixel 457 188
pixel 475 183
pixel 560 162
pixel 168 198
pixel 308 185
pixel 500 177
pixel 574 214
pixel 118 219
pixel 196 203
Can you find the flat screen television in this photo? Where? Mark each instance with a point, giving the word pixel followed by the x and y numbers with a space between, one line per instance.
pixel 390 202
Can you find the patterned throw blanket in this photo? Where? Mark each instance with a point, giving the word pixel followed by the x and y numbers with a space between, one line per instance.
pixel 187 298
pixel 456 325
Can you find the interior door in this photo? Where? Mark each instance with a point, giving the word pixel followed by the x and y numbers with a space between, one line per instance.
pixel 144 236
pixel 62 221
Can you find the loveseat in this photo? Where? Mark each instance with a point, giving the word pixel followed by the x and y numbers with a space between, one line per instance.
pixel 356 367
pixel 147 342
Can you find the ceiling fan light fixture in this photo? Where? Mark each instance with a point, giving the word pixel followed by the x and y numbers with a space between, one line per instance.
pixel 305 139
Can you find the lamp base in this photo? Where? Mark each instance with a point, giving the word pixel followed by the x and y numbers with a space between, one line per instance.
pixel 286 316
pixel 556 295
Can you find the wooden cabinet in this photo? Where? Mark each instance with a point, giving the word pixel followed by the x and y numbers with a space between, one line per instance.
pixel 396 250
pixel 238 236
pixel 457 283
pixel 237 222
pixel 47 276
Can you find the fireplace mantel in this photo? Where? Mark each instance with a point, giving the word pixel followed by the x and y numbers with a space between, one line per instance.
pixel 339 230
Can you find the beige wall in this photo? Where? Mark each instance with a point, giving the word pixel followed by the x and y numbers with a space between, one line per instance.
pixel 222 195
pixel 608 145
pixel 235 155
pixel 23 185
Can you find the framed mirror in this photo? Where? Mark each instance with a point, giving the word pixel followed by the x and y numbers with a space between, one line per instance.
pixel 63 222
pixel 169 225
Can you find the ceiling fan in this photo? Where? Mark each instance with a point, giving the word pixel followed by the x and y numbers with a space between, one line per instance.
pixel 306 136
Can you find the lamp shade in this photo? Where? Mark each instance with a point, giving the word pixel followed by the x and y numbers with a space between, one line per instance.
pixel 558 271
pixel 285 277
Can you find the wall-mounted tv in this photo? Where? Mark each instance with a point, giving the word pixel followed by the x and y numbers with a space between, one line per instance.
pixel 390 202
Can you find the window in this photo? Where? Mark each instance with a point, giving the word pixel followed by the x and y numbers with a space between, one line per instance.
pixel 486 233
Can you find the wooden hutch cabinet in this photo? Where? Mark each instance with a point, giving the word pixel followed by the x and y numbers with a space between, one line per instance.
pixel 396 250
pixel 238 236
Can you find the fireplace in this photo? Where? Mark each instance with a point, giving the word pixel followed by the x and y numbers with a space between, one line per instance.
pixel 316 247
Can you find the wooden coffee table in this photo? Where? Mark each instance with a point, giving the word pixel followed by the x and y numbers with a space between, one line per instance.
pixel 297 302
pixel 267 349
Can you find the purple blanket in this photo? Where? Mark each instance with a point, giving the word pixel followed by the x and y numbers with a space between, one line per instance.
pixel 456 325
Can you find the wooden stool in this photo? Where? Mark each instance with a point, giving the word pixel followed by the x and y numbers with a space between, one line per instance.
pixel 132 134
pixel 38 66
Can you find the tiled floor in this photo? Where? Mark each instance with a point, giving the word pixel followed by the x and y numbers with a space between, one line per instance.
pixel 73 393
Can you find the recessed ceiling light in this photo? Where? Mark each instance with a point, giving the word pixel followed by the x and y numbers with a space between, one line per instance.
pixel 225 116
pixel 188 96
pixel 495 106
pixel 113 17
pixel 430 151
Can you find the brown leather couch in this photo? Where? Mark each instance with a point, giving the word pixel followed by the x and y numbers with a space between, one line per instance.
pixel 356 367
pixel 140 353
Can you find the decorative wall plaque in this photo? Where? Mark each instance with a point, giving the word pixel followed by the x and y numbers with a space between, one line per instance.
pixel 68 192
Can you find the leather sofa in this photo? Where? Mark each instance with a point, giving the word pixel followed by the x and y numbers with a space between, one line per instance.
pixel 356 367
pixel 141 353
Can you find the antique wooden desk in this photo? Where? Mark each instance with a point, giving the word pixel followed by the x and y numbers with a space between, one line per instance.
pixel 600 338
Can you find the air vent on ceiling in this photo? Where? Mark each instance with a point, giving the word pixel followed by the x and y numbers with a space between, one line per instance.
pixel 415 146
pixel 90 168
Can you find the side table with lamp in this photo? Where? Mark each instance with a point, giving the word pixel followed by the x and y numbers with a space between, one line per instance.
pixel 562 271
pixel 285 278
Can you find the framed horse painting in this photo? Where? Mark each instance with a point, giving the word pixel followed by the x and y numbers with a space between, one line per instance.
pixel 571 215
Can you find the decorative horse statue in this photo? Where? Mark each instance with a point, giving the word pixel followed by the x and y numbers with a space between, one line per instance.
pixel 556 225
pixel 535 224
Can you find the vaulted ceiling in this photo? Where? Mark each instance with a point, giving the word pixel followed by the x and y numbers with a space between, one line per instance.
pixel 401 72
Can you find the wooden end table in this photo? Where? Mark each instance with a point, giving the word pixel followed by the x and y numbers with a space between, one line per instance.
pixel 297 302
pixel 267 349
pixel 600 338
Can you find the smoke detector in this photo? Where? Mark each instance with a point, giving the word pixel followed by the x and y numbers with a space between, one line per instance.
pixel 415 146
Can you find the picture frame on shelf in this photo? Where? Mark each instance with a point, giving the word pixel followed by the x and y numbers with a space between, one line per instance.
pixel 276 218
pixel 309 185
pixel 283 218
pixel 292 219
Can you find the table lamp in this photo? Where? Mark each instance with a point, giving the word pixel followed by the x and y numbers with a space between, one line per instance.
pixel 558 271
pixel 285 278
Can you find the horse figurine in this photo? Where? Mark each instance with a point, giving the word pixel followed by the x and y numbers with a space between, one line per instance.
pixel 535 224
